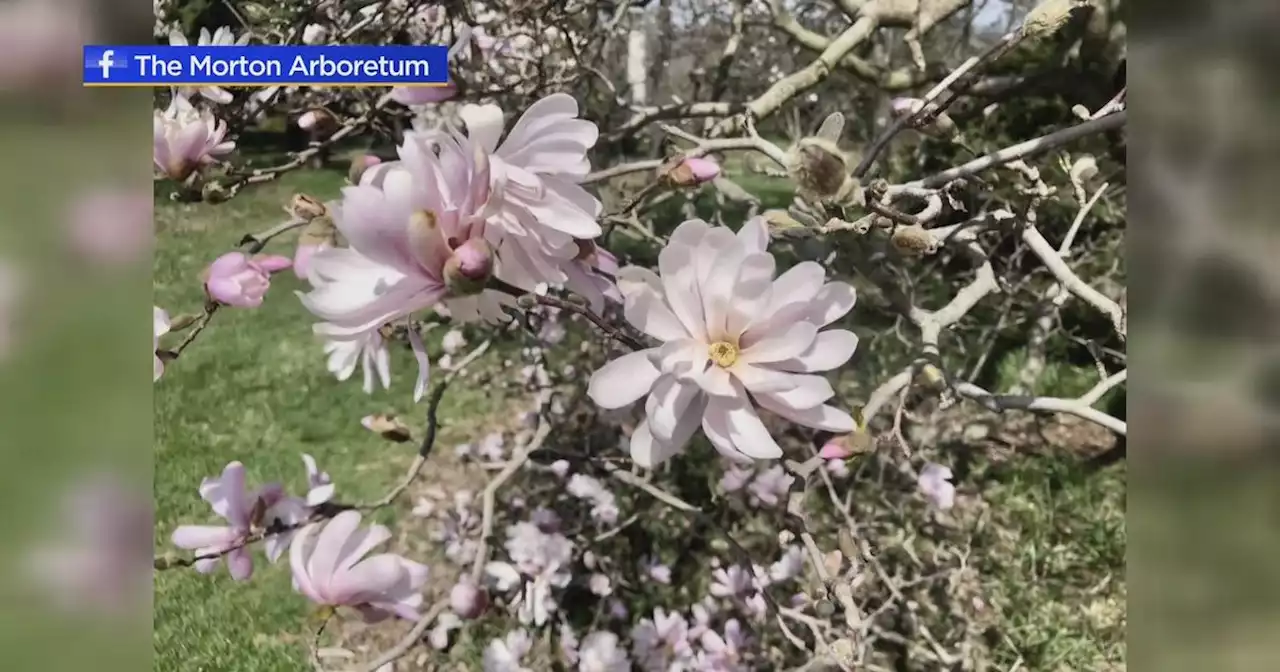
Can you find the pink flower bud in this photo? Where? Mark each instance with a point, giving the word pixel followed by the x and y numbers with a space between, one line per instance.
pixel 704 170
pixel 834 450
pixel 467 600
pixel 690 172
pixel 236 280
pixel 308 120
pixel 468 269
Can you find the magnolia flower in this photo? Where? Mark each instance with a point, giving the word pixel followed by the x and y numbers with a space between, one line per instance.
pixel 244 514
pixel 314 33
pixel 237 280
pixel 732 581
pixel 507 654
pixel 662 643
pixel 160 327
pixel 185 139
pixel 935 484
pixel 733 338
pixel 330 568
pixel 415 242
pixel 770 487
pixel 722 653
pixel 319 484
pixel 599 652
pixel 538 213
pixel 222 37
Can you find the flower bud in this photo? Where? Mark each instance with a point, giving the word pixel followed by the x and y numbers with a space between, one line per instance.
pixel 360 164
pixel 467 600
pixel 932 379
pixel 318 120
pixel 1084 169
pixel 388 426
pixel 1049 16
pixel 913 240
pixel 467 271
pixel 820 169
pixel 689 171
pixel 314 34
pixel 305 207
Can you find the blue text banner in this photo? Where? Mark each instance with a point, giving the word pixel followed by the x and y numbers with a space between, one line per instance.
pixel 341 65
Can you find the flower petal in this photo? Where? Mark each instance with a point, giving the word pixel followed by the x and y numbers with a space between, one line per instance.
pixel 790 342
pixel 828 418
pixel 624 380
pixel 831 349
pixel 733 426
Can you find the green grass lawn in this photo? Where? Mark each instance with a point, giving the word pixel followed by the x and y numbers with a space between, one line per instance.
pixel 254 388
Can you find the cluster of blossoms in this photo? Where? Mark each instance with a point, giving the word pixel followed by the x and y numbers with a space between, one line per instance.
pixel 327 558
pixel 461 219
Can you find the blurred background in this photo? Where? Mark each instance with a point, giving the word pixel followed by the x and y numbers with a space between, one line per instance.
pixel 75 402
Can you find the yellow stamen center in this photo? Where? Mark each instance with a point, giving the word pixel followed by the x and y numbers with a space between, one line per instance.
pixel 723 353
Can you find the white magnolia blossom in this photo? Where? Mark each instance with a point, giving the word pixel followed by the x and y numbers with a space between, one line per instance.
pixel 733 338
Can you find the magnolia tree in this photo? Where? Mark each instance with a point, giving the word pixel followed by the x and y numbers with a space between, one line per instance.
pixel 679 493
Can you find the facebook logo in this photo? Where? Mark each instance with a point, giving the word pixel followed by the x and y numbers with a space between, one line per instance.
pixel 99 64
pixel 106 63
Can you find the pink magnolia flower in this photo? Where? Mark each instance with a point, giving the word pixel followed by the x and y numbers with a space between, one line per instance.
pixel 186 139
pixel 112 226
pixel 222 37
pixel 330 568
pixel 733 338
pixel 160 327
pixel 413 222
pixel 244 514
pixel 935 484
pixel 237 280
pixel 537 213
pixel 722 652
